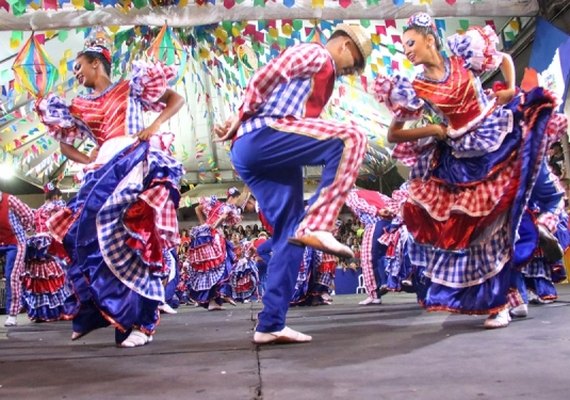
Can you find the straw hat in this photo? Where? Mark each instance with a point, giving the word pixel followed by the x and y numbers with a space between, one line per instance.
pixel 359 36
pixel 243 198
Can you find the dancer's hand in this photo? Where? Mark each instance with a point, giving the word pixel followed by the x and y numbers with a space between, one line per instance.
pixel 227 130
pixel 147 132
pixel 93 154
pixel 504 96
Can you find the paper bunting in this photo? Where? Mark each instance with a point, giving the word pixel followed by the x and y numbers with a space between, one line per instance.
pixel 219 57
pixel 317 36
pixel 247 63
pixel 33 70
pixel 167 48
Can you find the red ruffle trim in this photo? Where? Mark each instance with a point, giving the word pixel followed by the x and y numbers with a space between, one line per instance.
pixel 42 285
pixel 139 219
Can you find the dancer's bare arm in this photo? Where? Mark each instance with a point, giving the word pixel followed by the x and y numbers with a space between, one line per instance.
pixel 397 133
pixel 174 103
pixel 73 154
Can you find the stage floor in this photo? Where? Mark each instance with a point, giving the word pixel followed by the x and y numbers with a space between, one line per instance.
pixel 390 351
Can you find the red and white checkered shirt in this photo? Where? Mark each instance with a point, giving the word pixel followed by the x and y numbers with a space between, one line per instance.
pixel 21 219
pixel 295 85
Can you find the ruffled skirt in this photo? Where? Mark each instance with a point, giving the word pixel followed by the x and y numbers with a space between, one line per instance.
pixel 46 289
pixel 323 281
pixel 540 275
pixel 244 279
pixel 211 258
pixel 464 218
pixel 118 232
pixel 304 276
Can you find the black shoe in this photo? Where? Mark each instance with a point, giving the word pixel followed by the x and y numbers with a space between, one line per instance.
pixel 382 290
pixel 549 244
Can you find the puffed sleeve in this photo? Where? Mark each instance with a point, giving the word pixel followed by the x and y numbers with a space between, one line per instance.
pixel 61 124
pixel 478 48
pixel 557 127
pixel 208 204
pixel 233 214
pixel 359 206
pixel 149 82
pixel 399 96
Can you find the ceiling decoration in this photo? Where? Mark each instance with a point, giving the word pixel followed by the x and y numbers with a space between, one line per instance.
pixel 56 14
pixel 215 61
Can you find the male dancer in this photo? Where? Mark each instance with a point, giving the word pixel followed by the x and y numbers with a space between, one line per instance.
pixel 278 132
pixel 15 219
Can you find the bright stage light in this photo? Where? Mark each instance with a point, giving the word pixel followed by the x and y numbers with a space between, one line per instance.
pixel 6 171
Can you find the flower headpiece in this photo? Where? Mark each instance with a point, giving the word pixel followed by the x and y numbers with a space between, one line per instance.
pixel 98 49
pixel 49 187
pixel 421 19
pixel 233 192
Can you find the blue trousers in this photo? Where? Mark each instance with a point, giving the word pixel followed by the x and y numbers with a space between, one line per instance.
pixel 271 163
pixel 10 252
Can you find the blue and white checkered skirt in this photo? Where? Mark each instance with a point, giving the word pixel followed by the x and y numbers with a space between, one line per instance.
pixel 105 270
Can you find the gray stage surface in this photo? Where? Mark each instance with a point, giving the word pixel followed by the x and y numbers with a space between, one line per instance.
pixel 392 351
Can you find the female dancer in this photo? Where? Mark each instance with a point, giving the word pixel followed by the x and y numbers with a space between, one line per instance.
pixel 464 213
pixel 210 254
pixel 244 277
pixel 545 267
pixel 45 286
pixel 321 284
pixel 120 228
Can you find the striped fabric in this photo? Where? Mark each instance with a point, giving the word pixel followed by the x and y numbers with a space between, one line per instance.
pixel 117 111
pixel 54 113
